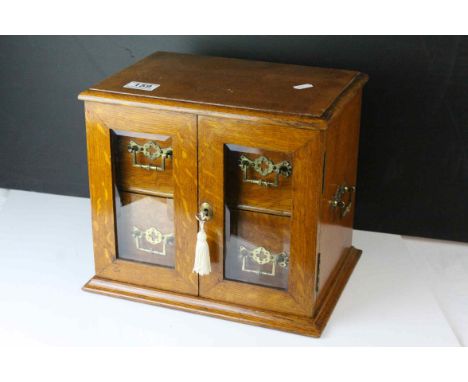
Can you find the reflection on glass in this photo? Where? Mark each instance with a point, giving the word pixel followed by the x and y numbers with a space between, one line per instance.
pixel 145 229
pixel 257 217
pixel 257 248
pixel 144 205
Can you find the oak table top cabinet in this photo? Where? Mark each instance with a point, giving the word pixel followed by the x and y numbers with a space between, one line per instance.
pixel 263 156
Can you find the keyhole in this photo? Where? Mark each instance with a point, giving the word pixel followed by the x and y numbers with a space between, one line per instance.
pixel 205 212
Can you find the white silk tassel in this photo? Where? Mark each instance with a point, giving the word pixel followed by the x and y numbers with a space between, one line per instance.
pixel 202 264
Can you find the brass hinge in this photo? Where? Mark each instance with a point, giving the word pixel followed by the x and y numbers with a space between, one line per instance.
pixel 317 273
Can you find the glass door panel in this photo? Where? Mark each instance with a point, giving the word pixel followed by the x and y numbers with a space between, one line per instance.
pixel 262 185
pixel 257 215
pixel 144 198
pixel 145 229
pixel 257 248
pixel 143 170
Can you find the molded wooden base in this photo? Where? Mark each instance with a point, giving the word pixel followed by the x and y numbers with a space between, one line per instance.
pixel 309 326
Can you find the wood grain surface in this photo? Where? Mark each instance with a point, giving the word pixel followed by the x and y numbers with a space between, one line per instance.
pixel 234 83
pixel 342 139
pixel 306 150
pixel 306 326
pixel 211 111
pixel 101 119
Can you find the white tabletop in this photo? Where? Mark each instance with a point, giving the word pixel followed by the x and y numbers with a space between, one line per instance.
pixel 396 296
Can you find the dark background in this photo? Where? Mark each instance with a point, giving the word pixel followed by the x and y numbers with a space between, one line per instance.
pixel 413 168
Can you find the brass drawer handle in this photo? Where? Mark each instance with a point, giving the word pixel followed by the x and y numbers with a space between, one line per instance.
pixel 152 151
pixel 337 201
pixel 262 256
pixel 264 166
pixel 154 237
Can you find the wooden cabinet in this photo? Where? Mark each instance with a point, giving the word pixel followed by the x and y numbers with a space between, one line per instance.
pixel 270 148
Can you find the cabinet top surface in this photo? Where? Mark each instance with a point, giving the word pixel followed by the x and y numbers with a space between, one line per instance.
pixel 234 83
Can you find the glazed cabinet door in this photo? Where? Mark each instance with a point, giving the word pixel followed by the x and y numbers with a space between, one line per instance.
pixel 143 186
pixel 263 183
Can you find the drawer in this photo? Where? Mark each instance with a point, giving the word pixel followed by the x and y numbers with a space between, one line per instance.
pixel 145 229
pixel 257 248
pixel 143 163
pixel 258 179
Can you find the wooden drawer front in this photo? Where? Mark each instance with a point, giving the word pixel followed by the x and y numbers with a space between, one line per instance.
pixel 139 161
pixel 145 229
pixel 258 179
pixel 257 248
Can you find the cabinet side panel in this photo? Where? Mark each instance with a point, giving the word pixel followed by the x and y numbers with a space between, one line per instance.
pixel 335 232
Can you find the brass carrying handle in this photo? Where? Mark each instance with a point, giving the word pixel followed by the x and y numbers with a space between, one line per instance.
pixel 154 237
pixel 262 256
pixel 264 166
pixel 337 201
pixel 152 151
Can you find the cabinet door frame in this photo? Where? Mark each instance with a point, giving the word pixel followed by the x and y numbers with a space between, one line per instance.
pixel 101 119
pixel 306 148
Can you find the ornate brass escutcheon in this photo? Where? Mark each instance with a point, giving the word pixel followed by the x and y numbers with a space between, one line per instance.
pixel 152 151
pixel 154 237
pixel 264 166
pixel 337 201
pixel 205 212
pixel 262 256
